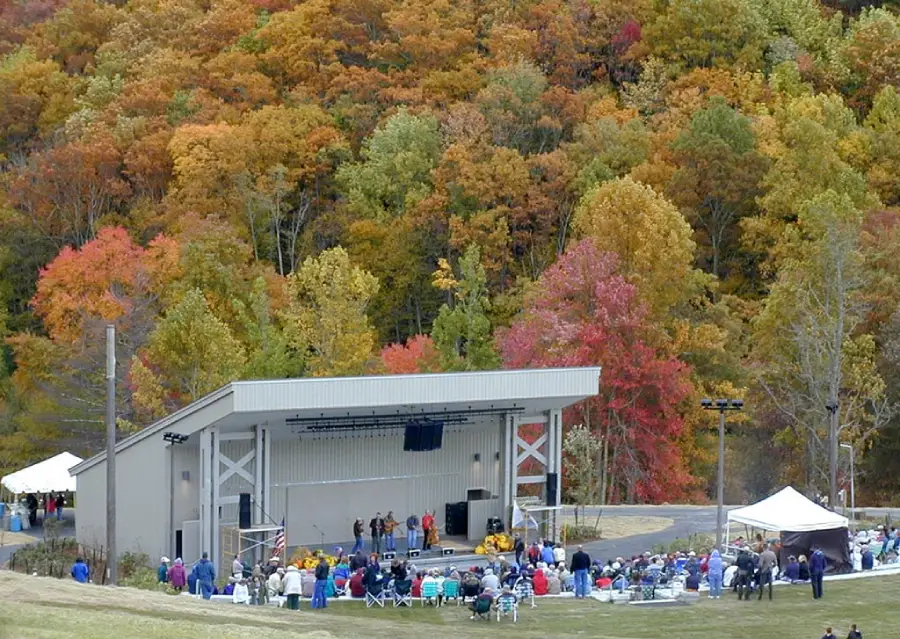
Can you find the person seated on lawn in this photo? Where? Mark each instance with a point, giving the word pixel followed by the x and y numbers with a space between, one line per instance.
pixel 229 589
pixel 453 573
pixel 357 561
pixel 241 594
pixel 417 585
pixel 429 578
pixel 554 584
pixel 692 582
pixel 486 598
pixel 511 577
pixel 506 595
pixel 471 585
pixel 792 570
pixel 566 579
pixel 868 559
pixel 357 584
pixel 804 568
pixel 540 583
pixel 341 572
pixel 490 580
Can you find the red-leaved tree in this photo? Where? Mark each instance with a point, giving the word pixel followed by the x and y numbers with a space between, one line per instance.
pixel 418 355
pixel 583 313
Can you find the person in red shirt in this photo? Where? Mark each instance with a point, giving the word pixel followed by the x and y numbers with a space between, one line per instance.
pixel 427 525
pixel 417 586
pixel 540 582
pixel 357 589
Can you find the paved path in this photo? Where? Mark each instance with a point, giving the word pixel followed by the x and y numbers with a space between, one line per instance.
pixel 686 520
pixel 37 532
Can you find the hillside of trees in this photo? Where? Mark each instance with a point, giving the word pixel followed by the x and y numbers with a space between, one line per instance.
pixel 702 196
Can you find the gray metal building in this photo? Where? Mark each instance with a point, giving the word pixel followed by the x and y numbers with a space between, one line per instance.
pixel 317 453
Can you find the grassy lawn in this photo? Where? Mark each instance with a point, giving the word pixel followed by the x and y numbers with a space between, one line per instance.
pixel 38 607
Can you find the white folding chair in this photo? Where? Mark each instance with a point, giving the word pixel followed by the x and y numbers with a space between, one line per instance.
pixel 507 605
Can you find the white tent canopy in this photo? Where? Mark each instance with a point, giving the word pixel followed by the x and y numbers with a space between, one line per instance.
pixel 787 510
pixel 50 475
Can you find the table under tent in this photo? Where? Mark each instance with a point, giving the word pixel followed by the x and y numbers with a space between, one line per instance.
pixel 801 524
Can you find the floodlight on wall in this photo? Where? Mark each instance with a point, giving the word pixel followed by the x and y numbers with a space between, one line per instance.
pixel 185 475
pixel 476 457
pixel 175 438
pixel 497 455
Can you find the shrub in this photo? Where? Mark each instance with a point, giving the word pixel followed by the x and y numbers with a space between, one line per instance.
pixel 130 562
pixel 143 578
pixel 581 532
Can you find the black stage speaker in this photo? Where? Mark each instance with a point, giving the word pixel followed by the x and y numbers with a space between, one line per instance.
pixel 245 519
pixel 388 555
pixel 552 485
pixel 447 551
pixel 423 436
pixel 432 435
pixel 412 437
pixel 412 553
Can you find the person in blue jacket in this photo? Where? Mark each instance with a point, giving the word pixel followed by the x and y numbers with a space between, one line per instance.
pixel 868 559
pixel 162 573
pixel 817 564
pixel 80 572
pixel 206 575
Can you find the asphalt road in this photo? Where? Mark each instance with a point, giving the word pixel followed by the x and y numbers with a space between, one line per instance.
pixel 686 520
pixel 38 533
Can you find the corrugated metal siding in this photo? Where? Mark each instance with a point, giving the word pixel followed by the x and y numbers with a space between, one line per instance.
pixel 435 478
pixel 494 386
pixel 90 507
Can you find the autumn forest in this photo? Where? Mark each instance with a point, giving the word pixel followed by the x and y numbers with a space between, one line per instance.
pixel 701 196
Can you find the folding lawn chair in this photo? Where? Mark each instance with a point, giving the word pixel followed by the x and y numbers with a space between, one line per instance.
pixel 375 595
pixel 482 609
pixel 403 593
pixel 451 590
pixel 507 604
pixel 429 592
pixel 525 590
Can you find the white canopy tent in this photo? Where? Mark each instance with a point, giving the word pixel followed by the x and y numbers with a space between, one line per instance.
pixel 50 475
pixel 787 510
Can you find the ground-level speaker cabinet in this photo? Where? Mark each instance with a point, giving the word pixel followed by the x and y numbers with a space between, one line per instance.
pixel 245 516
pixel 552 485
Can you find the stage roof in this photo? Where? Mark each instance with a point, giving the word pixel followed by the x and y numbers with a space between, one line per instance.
pixel 338 402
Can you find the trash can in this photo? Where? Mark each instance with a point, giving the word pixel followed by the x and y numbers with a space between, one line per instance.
pixel 2 509
pixel 15 524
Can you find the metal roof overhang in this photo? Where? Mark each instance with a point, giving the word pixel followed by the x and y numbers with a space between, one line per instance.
pixel 284 404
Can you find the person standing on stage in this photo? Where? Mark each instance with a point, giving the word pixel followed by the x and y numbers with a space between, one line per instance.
pixel 357 535
pixel 376 527
pixel 389 525
pixel 412 531
pixel 427 524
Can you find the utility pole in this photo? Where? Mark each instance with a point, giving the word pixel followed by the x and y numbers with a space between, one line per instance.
pixel 833 429
pixel 721 405
pixel 112 558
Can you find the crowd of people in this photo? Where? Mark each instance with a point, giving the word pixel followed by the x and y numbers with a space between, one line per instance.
pixel 52 503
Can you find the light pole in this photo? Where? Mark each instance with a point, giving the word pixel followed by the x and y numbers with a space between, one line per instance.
pixel 721 405
pixel 173 439
pixel 852 480
pixel 833 429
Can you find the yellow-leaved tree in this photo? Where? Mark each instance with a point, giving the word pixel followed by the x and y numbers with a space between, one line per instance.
pixel 326 317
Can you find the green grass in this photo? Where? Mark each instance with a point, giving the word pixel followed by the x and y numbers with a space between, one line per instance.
pixel 32 607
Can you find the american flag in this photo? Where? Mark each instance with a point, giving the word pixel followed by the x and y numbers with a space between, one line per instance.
pixel 279 540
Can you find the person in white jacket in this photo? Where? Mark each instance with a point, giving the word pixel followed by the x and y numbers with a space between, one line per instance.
pixel 241 594
pixel 273 584
pixel 292 585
